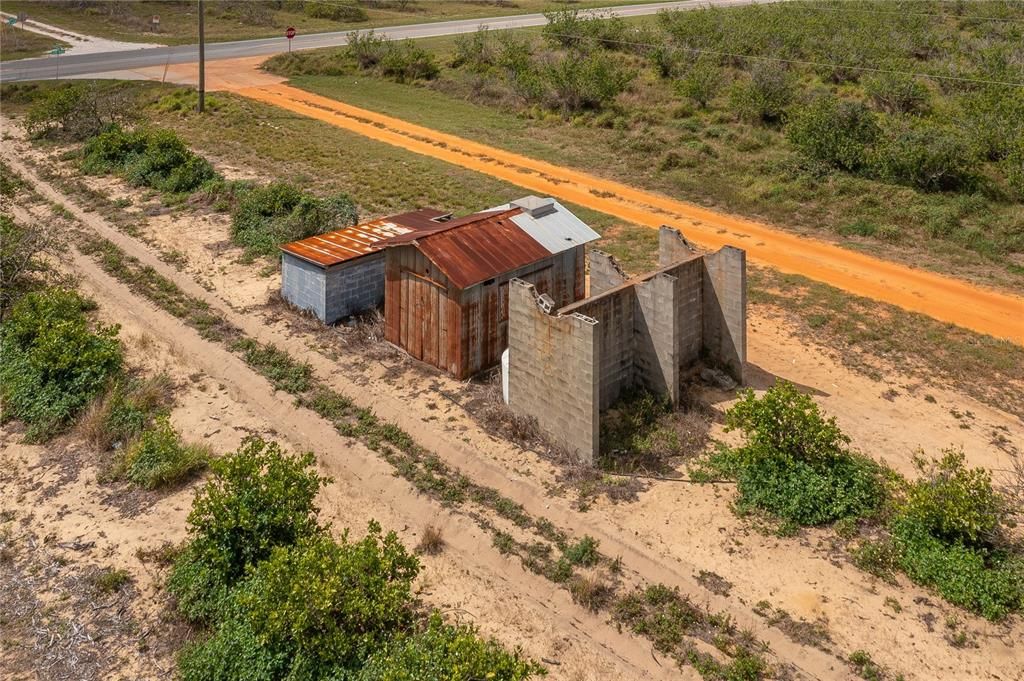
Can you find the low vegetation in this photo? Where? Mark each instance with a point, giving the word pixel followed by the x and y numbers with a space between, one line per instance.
pixel 54 360
pixel 283 599
pixel 266 216
pixel 644 433
pixel 159 458
pixel 158 159
pixel 819 116
pixel 796 463
pixel 949 529
pixel 77 111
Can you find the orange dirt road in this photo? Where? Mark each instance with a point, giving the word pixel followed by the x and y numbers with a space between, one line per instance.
pixel 946 299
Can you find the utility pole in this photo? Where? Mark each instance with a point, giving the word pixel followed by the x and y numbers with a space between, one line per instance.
pixel 202 60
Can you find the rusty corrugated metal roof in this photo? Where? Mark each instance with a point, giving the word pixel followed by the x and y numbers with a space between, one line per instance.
pixel 477 247
pixel 348 243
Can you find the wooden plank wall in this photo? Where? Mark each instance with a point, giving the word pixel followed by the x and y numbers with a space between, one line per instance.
pixel 464 331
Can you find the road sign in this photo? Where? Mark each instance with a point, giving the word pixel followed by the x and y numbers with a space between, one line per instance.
pixel 12 21
pixel 156 22
pixel 289 32
pixel 58 50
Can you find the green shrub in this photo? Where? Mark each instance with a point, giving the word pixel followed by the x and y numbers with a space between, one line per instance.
pixel 584 552
pixel 284 372
pixel 327 603
pixel 987 581
pixel 407 62
pixel 955 503
pixel 950 534
pixel 147 158
pixel 258 498
pixel 334 10
pixel 577 82
pixel 701 82
pixel 159 457
pixel 277 213
pixel 835 131
pixel 897 93
pixel 440 651
pixel 1013 168
pixel 52 364
pixel 474 51
pixel 795 463
pixel 764 98
pixel 366 48
pixel 120 415
pixel 926 156
pixel 77 111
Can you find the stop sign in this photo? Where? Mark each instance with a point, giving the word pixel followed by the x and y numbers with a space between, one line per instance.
pixel 289 32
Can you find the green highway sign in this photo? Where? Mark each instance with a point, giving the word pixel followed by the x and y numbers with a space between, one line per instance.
pixel 58 50
pixel 12 21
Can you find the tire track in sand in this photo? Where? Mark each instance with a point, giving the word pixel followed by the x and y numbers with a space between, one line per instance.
pixel 946 299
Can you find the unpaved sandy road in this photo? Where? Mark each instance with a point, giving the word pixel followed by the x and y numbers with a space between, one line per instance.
pixel 943 298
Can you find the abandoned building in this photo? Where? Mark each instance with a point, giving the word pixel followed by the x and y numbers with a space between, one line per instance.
pixel 568 363
pixel 446 298
pixel 340 273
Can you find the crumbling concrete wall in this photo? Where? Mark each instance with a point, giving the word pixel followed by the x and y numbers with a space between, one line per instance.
pixel 725 309
pixel 556 359
pixel 566 367
pixel 605 273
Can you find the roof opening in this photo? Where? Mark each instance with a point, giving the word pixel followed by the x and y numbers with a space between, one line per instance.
pixel 535 207
pixel 442 218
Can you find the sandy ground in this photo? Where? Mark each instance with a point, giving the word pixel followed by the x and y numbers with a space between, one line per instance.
pixel 676 530
pixel 54 490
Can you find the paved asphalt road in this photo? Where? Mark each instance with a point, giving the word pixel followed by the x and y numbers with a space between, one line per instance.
pixel 84 64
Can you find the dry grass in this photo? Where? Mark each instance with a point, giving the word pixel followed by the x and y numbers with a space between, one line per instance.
pixel 432 542
pixel 120 413
pixel 593 591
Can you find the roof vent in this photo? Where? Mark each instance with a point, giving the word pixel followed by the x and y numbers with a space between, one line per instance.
pixel 442 218
pixel 535 207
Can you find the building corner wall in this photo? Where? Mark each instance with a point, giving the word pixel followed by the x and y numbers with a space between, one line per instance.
pixel 725 309
pixel 553 376
pixel 303 285
pixel 672 246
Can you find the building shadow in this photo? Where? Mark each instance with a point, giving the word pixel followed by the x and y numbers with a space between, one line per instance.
pixel 759 379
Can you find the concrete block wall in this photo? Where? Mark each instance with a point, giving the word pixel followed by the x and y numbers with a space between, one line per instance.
pixel 689 307
pixel 655 336
pixel 553 371
pixel 354 286
pixel 672 247
pixel 725 309
pixel 605 273
pixel 303 284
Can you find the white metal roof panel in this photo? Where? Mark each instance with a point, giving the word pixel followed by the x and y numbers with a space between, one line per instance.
pixel 556 230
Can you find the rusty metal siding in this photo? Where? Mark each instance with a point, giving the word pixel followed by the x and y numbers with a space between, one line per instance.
pixel 464 330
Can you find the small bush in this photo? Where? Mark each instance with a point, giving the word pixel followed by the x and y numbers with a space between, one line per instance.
pixel 277 213
pixel 146 158
pixel 441 651
pixel 258 498
pixel 578 82
pixel 406 62
pixel 927 156
pixel 367 48
pixel 764 98
pixel 108 580
pixel 77 111
pixel 590 591
pixel 432 542
pixel 124 411
pixel 474 51
pixel 52 363
pixel 701 82
pixel 949 530
pixel 836 131
pixel 583 553
pixel 159 457
pixel 22 247
pixel 276 365
pixel 795 463
pixel 897 93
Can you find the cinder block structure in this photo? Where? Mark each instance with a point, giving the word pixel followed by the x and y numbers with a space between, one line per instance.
pixel 341 273
pixel 567 366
